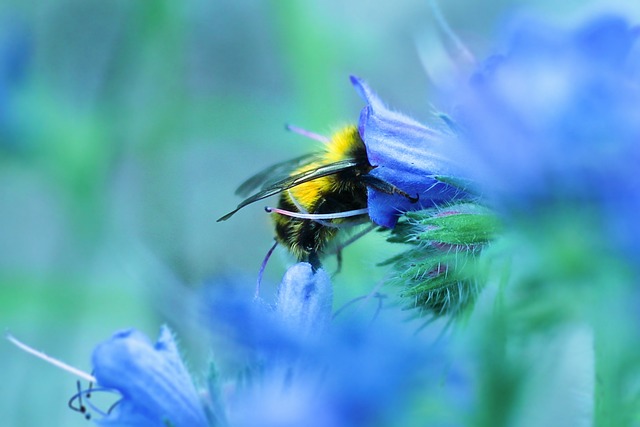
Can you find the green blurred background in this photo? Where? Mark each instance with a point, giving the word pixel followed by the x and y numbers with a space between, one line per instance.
pixel 125 127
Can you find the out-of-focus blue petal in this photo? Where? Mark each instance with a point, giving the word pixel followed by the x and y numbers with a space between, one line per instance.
pixel 262 331
pixel 557 115
pixel 304 301
pixel 309 370
pixel 155 386
pixel 356 375
pixel 556 120
pixel 405 154
pixel 354 372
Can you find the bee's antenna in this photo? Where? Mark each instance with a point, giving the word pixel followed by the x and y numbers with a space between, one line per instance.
pixel 333 215
pixel 262 268
pixel 324 223
pixel 307 133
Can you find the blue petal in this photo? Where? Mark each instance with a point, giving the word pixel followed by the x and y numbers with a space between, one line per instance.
pixel 305 300
pixel 271 333
pixel 155 386
pixel 556 121
pixel 405 154
pixel 557 113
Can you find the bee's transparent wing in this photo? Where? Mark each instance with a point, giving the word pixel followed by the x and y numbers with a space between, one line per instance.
pixel 291 181
pixel 272 174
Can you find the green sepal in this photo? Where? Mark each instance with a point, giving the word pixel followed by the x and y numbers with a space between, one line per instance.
pixel 438 274
pixel 435 282
pixel 466 185
pixel 461 229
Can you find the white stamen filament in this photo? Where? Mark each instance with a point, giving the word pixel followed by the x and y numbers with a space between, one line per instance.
pixel 334 215
pixel 49 359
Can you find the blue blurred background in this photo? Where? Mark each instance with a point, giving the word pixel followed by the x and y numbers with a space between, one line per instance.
pixel 125 127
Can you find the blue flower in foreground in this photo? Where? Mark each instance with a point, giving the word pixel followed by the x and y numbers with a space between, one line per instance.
pixel 557 117
pixel 316 372
pixel 155 386
pixel 302 309
pixel 357 376
pixel 304 302
pixel 406 154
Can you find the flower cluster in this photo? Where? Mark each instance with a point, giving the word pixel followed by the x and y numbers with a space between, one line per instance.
pixel 303 372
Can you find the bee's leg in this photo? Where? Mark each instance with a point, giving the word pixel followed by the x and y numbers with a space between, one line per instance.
pixel 385 187
pixel 262 268
pixel 339 261
pixel 314 260
pixel 338 249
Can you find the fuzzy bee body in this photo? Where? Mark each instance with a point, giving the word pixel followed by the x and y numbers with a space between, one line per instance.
pixel 340 192
pixel 331 182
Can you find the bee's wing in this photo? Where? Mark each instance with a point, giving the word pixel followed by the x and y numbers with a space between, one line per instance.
pixel 273 174
pixel 292 181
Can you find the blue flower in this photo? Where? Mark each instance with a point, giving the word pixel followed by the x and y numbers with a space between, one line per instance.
pixel 406 154
pixel 356 375
pixel 270 334
pixel 316 372
pixel 557 116
pixel 304 302
pixel 155 386
pixel 555 121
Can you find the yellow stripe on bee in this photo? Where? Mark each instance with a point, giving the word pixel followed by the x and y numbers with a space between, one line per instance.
pixel 340 145
pixel 307 194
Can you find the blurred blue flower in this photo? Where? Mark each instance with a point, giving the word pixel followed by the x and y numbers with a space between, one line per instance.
pixel 272 334
pixel 304 301
pixel 556 121
pixel 249 325
pixel 307 370
pixel 557 116
pixel 357 376
pixel 314 372
pixel 406 154
pixel 155 386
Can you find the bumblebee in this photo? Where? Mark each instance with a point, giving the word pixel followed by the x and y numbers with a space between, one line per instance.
pixel 320 194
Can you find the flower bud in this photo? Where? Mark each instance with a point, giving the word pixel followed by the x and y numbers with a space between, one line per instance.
pixel 155 386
